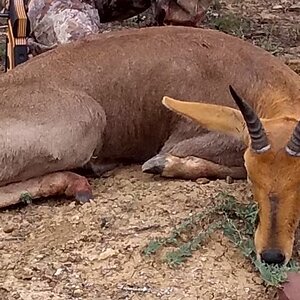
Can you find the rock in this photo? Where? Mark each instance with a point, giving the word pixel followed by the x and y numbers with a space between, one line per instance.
pixel 8 228
pixel 291 288
pixel 229 180
pixel 267 16
pixel 277 7
pixel 58 271
pixel 40 256
pixel 106 254
pixel 202 180
pixel 27 274
pixel 78 292
pixel 295 7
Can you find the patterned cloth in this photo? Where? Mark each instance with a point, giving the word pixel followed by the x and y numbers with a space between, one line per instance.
pixel 55 22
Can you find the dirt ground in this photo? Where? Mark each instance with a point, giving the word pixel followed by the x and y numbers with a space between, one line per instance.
pixel 56 249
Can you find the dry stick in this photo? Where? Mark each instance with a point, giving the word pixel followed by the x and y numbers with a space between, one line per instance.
pixel 135 289
pixel 13 238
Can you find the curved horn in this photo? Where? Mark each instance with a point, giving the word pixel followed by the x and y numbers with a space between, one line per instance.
pixel 293 146
pixel 259 140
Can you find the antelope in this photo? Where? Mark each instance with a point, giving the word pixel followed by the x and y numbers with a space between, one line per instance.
pixel 97 102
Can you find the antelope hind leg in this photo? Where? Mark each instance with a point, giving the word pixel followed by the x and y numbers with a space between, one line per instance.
pixel 69 128
pixel 54 184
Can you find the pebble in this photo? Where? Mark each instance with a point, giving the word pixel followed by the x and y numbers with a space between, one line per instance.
pixel 58 272
pixel 202 180
pixel 106 254
pixel 229 180
pixel 295 7
pixel 27 274
pixel 78 293
pixel 257 280
pixel 40 256
pixel 8 228
pixel 277 7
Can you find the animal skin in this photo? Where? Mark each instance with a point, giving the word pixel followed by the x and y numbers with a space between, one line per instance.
pixel 97 102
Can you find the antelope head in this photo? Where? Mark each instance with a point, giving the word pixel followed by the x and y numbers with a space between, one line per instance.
pixel 272 161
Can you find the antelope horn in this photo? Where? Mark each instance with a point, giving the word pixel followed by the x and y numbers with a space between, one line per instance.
pixel 259 140
pixel 293 146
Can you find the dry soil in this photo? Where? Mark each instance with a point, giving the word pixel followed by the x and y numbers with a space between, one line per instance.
pixel 56 249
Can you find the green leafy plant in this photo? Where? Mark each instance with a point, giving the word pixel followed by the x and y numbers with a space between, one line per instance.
pixel 237 221
pixel 229 23
pixel 26 198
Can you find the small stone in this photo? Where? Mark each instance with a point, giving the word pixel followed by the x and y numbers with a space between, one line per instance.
pixel 58 272
pixel 106 254
pixel 8 228
pixel 27 274
pixel 202 180
pixel 258 280
pixel 15 295
pixel 1 246
pixel 267 16
pixel 72 204
pixel 78 292
pixel 276 7
pixel 104 223
pixel 229 180
pixel 40 256
pixel 295 7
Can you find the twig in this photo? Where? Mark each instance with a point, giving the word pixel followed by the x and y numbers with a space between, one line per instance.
pixel 144 228
pixel 144 289
pixel 13 238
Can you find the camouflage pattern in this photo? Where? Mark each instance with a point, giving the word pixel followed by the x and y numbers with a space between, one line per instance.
pixel 55 22
pixel 181 12
pixel 119 10
pixel 3 5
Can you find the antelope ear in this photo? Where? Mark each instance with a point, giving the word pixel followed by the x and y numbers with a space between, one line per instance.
pixel 213 117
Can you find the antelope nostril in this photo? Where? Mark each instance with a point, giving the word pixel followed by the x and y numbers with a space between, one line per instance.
pixel 272 256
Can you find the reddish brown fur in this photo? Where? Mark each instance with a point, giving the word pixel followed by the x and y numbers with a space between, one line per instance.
pixel 275 173
pixel 191 167
pixel 58 183
pixel 100 99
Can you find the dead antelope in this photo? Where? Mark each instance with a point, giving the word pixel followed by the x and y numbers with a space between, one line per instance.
pixel 97 102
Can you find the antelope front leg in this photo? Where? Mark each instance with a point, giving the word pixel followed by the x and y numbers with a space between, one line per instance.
pixel 54 184
pixel 190 167
pixel 192 153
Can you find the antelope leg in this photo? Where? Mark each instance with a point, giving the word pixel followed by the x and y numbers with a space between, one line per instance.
pixel 53 184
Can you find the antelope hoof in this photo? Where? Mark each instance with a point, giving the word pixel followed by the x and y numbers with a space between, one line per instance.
pixel 154 165
pixel 83 196
pixel 79 188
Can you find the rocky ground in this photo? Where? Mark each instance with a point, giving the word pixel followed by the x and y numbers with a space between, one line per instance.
pixel 55 249
pixel 58 250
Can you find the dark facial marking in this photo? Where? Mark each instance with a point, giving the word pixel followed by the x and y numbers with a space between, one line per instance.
pixel 274 200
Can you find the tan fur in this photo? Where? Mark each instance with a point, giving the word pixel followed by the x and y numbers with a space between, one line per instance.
pixel 273 173
pixel 193 167
pixel 211 116
pixel 100 99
